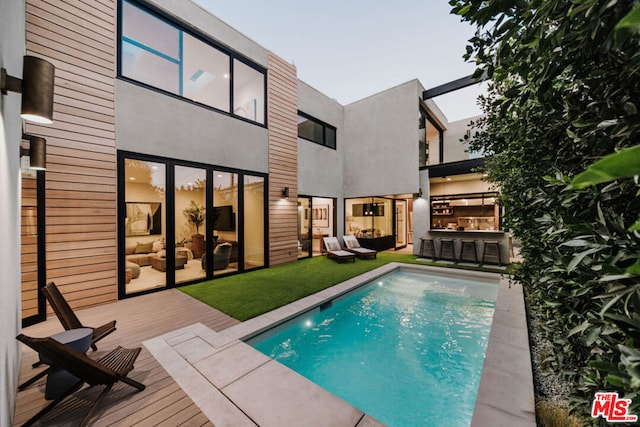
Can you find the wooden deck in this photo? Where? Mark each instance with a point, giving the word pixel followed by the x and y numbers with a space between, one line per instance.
pixel 163 402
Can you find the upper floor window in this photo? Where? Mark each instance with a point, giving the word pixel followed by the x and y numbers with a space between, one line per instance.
pixel 316 131
pixel 156 52
pixel 430 140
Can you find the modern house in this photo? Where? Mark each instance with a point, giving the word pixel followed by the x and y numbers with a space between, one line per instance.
pixel 181 150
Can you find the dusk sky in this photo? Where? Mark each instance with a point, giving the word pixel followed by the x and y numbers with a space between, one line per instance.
pixel 352 49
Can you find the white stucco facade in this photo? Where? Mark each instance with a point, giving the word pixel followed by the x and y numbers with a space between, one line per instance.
pixel 381 143
pixel 12 49
pixel 151 122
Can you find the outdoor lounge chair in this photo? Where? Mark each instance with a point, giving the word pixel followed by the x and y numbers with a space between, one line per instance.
pixel 68 318
pixel 107 370
pixel 353 245
pixel 334 250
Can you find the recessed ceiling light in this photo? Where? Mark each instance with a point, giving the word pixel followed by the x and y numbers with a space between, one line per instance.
pixel 131 178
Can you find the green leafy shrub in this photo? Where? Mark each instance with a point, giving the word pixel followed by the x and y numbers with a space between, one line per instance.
pixel 565 92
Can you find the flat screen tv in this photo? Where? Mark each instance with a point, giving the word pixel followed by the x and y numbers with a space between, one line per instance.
pixel 225 218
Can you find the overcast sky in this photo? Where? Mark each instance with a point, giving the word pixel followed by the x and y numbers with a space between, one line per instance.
pixel 350 49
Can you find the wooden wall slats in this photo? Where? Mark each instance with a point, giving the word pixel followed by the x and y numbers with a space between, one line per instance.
pixel 57 9
pixel 282 107
pixel 81 114
pixel 78 37
pixel 65 30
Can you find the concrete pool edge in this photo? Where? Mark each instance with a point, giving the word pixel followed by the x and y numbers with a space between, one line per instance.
pixel 505 395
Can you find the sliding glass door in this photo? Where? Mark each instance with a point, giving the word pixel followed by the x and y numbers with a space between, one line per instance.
pixel 316 219
pixel 304 227
pixel 190 195
pixel 145 224
pixel 212 223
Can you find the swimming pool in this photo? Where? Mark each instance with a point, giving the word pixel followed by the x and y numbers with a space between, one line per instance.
pixel 407 348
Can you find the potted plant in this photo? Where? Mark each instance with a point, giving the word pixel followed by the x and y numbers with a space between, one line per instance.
pixel 196 215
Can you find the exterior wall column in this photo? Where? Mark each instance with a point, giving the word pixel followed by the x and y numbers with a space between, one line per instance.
pixel 12 46
pixel 78 38
pixel 282 116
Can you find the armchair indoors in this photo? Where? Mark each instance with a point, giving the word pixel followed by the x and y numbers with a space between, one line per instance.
pixel 221 257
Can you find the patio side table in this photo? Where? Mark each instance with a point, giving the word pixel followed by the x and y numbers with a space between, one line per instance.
pixel 58 379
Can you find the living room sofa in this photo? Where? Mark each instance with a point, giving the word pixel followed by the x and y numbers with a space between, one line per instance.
pixel 141 253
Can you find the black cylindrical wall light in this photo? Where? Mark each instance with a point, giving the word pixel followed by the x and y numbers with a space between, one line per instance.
pixel 37 90
pixel 36 87
pixel 38 153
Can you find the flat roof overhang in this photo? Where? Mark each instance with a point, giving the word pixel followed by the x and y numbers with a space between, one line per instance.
pixel 453 85
pixel 455 168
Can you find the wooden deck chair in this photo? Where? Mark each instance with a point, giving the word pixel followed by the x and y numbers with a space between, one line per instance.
pixel 107 370
pixel 334 250
pixel 68 318
pixel 352 244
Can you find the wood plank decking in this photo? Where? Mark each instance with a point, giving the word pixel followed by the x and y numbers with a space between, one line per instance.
pixel 163 402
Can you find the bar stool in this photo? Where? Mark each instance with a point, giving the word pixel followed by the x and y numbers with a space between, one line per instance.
pixel 494 245
pixel 469 248
pixel 447 245
pixel 428 244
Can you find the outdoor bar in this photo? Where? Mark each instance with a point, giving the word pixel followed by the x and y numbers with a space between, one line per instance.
pixel 465 222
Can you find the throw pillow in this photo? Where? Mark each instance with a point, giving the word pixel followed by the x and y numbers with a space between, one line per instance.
pixel 333 246
pixel 157 246
pixel 144 248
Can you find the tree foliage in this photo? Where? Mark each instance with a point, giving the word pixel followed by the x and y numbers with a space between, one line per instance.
pixel 565 92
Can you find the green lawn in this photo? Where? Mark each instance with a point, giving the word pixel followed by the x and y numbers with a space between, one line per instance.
pixel 247 295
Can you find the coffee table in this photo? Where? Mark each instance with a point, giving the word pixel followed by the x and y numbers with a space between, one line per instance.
pixel 160 263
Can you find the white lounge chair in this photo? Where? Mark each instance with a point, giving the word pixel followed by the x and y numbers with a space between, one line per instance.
pixel 354 246
pixel 334 250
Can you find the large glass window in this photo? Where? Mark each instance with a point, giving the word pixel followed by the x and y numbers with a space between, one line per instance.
pixel 253 222
pixel 150 49
pixel 304 227
pixel 423 147
pixel 205 74
pixel 430 140
pixel 211 223
pixel 225 231
pixel 190 200
pixel 32 244
pixel 370 219
pixel 316 131
pixel 145 225
pixel 160 54
pixel 248 92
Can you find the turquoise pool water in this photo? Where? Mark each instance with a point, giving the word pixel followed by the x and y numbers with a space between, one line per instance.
pixel 407 349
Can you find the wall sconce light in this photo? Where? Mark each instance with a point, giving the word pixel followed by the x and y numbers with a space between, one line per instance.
pixel 37 151
pixel 36 87
pixel 418 194
pixel 285 192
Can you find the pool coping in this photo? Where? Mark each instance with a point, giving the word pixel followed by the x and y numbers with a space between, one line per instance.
pixel 234 384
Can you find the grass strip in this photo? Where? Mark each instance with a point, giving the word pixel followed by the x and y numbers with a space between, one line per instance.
pixel 251 294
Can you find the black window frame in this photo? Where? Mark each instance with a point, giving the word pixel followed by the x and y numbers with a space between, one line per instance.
pixel 169 181
pixel 325 126
pixel 423 111
pixel 184 27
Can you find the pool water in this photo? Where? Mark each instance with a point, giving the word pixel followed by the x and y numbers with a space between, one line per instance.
pixel 407 349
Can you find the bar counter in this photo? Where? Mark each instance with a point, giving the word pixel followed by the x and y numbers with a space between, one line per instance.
pixel 477 236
